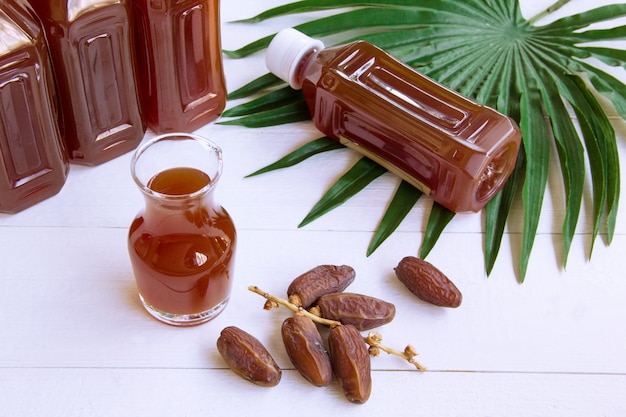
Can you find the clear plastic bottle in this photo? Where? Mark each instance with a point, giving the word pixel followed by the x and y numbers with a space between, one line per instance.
pixel 180 62
pixel 451 148
pixel 92 53
pixel 33 161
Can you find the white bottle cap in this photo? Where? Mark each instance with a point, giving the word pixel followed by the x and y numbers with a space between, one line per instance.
pixel 286 50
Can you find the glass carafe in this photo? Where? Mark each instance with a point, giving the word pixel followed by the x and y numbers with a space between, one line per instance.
pixel 182 244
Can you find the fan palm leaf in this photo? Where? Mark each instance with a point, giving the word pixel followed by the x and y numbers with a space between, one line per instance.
pixel 486 50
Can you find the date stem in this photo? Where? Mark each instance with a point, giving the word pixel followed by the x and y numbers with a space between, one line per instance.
pixel 296 309
pixel 373 339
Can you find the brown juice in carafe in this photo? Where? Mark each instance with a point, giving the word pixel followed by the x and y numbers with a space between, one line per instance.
pixel 33 162
pixel 92 53
pixel 182 251
pixel 451 148
pixel 180 63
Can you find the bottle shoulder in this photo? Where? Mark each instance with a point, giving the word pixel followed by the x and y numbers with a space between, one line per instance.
pixel 349 51
pixel 357 58
pixel 18 25
pixel 68 11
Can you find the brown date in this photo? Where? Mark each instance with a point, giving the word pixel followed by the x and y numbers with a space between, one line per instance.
pixel 306 350
pixel 427 282
pixel 305 289
pixel 362 311
pixel 247 357
pixel 351 362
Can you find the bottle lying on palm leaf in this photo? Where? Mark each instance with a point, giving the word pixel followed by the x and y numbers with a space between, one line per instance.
pixel 449 147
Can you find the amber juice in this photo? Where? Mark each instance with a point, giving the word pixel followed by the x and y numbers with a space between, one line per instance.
pixel 181 244
pixel 179 52
pixel 33 162
pixel 91 49
pixel 179 270
pixel 451 148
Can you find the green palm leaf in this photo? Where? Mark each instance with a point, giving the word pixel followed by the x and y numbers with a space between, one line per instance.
pixel 358 177
pixel 304 152
pixel 570 152
pixel 403 200
pixel 537 152
pixel 266 81
pixel 488 51
pixel 437 222
pixel 293 111
pixel 278 98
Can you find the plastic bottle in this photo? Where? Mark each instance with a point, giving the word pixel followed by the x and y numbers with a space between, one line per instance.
pixel 33 161
pixel 179 62
pixel 451 148
pixel 91 48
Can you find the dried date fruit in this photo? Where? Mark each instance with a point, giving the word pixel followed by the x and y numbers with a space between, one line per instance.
pixel 362 311
pixel 427 282
pixel 247 357
pixel 306 350
pixel 305 289
pixel 350 358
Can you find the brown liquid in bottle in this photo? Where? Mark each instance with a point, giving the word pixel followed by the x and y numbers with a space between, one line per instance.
pixel 180 63
pixel 91 48
pixel 33 162
pixel 182 251
pixel 455 150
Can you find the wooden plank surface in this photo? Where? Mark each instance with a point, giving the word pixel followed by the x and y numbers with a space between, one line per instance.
pixel 76 341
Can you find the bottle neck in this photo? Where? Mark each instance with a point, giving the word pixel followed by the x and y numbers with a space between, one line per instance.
pixel 300 71
pixel 184 215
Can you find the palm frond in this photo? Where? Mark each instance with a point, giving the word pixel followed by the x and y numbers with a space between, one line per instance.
pixel 488 51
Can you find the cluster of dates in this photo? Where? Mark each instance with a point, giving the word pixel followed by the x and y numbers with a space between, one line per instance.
pixel 318 297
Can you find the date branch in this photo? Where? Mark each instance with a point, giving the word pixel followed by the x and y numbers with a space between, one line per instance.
pixel 373 339
pixel 296 309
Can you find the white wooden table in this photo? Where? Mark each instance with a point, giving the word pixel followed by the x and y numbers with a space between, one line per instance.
pixel 75 341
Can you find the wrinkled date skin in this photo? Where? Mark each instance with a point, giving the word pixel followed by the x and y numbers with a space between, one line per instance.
pixel 305 289
pixel 351 362
pixel 427 282
pixel 247 357
pixel 362 311
pixel 306 349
